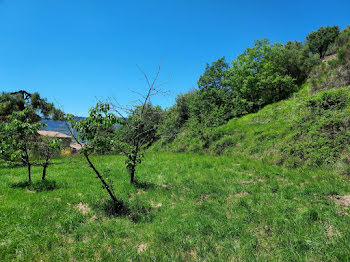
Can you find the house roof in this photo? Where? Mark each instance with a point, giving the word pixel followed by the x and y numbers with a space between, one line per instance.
pixel 53 134
pixel 75 146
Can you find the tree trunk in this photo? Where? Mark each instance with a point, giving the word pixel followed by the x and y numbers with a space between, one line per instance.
pixel 132 175
pixel 44 172
pixel 29 173
pixel 105 185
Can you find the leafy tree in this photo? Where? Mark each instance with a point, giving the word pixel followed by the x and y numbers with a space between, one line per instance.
pixel 213 103
pixel 89 129
pixel 44 149
pixel 37 107
pixel 319 41
pixel 255 79
pixel 175 117
pixel 213 75
pixel 20 113
pixel 295 60
pixel 18 139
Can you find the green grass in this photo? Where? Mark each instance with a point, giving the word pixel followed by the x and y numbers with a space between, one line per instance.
pixel 189 207
pixel 307 129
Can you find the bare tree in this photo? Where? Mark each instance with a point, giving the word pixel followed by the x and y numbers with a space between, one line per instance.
pixel 138 124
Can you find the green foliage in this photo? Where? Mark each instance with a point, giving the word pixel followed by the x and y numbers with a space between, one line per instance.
pixel 223 144
pixel 261 75
pixel 322 132
pixel 18 135
pixel 295 60
pixel 335 72
pixel 176 117
pixel 44 149
pixel 255 80
pixel 91 130
pixel 140 128
pixel 36 106
pixel 137 133
pixel 212 104
pixel 311 130
pixel 18 139
pixel 319 41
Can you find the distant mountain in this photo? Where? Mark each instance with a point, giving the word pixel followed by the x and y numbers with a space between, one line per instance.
pixel 59 126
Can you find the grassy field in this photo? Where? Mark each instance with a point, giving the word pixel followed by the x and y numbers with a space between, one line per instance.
pixel 186 207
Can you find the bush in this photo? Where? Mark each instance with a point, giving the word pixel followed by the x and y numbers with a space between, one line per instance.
pixel 226 142
pixel 323 132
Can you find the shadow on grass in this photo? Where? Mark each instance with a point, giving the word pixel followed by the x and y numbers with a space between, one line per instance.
pixel 5 164
pixel 40 186
pixel 143 184
pixel 134 211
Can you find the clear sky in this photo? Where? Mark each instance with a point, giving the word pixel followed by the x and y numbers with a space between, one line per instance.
pixel 77 51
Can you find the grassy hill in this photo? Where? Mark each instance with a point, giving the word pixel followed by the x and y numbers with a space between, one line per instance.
pixel 309 128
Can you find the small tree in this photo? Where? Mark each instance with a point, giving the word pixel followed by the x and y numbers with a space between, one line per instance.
pixel 318 41
pixel 139 129
pixel 137 132
pixel 45 148
pixel 89 130
pixel 18 139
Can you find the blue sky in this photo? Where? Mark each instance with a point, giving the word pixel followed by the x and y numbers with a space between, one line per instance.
pixel 77 51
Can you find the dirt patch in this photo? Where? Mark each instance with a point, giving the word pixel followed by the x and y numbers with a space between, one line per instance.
pixel 165 186
pixel 329 57
pixel 154 205
pixel 57 199
pixel 331 232
pixel 30 192
pixel 192 253
pixel 1 196
pixel 93 218
pixel 142 247
pixel 260 179
pixel 247 182
pixel 341 200
pixel 83 208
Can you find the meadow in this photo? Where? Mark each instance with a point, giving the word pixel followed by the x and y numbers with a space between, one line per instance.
pixel 184 207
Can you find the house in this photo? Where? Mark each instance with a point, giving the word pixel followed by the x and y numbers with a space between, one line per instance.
pixel 66 140
pixel 75 147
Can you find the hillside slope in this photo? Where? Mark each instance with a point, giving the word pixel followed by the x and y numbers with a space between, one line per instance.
pixel 312 129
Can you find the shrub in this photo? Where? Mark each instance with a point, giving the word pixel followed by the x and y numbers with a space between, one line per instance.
pixel 323 131
pixel 226 142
